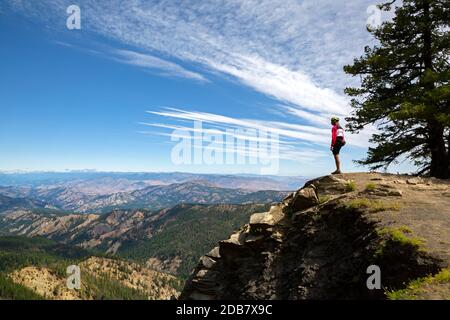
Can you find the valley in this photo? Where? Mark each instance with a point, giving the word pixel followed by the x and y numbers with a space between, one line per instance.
pixel 35 269
pixel 102 192
pixel 133 237
pixel 169 240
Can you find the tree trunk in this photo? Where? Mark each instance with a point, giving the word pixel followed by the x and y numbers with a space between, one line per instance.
pixel 436 141
pixel 448 150
pixel 439 166
pixel 447 142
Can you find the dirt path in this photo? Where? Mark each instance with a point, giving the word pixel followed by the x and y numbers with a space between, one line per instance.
pixel 424 207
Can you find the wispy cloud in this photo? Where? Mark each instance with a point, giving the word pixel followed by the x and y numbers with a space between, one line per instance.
pixel 141 60
pixel 290 50
pixel 153 63
pixel 285 150
pixel 283 84
pixel 299 132
pixel 296 142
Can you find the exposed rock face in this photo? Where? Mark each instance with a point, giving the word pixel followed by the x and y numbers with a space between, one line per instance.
pixel 301 249
pixel 329 185
pixel 302 199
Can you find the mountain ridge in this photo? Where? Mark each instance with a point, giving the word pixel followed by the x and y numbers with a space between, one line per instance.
pixel 169 239
pixel 35 269
pixel 149 197
pixel 131 179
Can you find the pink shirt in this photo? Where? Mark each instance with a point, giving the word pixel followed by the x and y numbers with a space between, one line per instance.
pixel 336 131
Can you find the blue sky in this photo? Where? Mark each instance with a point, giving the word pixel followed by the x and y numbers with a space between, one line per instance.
pixel 108 96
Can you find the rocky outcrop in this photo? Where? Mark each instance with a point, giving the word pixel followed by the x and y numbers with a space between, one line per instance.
pixel 303 249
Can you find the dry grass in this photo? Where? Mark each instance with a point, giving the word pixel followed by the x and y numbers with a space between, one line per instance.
pixel 350 186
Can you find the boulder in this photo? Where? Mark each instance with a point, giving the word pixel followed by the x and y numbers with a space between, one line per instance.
pixel 384 191
pixel 395 193
pixel 287 200
pixel 263 221
pixel 414 181
pixel 214 253
pixel 207 262
pixel 236 239
pixel 303 199
pixel 329 185
pixel 262 218
pixel 234 247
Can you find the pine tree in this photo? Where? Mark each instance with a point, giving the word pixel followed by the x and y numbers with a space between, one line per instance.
pixel 405 88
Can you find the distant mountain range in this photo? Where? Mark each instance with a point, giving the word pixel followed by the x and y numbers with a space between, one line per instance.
pixel 151 197
pixel 97 183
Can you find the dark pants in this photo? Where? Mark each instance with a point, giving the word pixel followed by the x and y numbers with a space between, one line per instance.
pixel 338 144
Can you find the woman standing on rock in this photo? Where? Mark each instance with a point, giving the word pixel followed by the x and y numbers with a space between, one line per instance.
pixel 337 142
